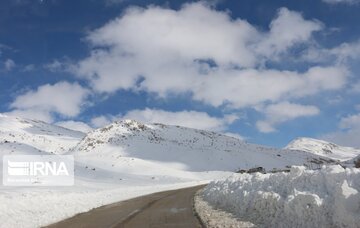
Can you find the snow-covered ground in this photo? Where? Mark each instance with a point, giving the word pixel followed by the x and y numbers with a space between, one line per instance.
pixel 302 198
pixel 123 160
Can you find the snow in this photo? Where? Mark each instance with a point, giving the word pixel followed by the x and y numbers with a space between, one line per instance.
pixel 38 134
pixel 39 207
pixel 157 149
pixel 355 162
pixel 123 160
pixel 94 185
pixel 216 218
pixel 302 198
pixel 323 148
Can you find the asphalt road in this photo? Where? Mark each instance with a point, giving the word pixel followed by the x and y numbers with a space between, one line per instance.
pixel 164 209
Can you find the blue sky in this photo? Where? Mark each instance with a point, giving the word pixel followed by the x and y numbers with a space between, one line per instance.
pixel 266 71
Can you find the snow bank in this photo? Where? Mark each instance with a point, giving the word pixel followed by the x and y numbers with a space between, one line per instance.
pixel 214 218
pixel 302 198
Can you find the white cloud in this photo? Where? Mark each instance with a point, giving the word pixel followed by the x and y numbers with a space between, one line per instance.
pixel 201 33
pixel 339 54
pixel 101 121
pixel 279 113
pixel 341 1
pixel 352 121
pixel 75 125
pixel 191 119
pixel 346 51
pixel 62 98
pixel 9 64
pixel 265 127
pixel 169 51
pixel 288 29
pixel 251 87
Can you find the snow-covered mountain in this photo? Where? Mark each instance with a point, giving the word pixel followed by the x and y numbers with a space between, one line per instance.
pixel 18 134
pixel 323 148
pixel 157 149
pixel 131 147
pixel 126 159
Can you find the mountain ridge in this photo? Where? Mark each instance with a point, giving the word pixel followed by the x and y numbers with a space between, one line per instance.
pixel 129 146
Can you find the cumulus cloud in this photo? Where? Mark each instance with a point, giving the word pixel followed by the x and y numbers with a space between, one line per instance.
pixel 191 119
pixel 75 125
pixel 205 53
pixel 339 54
pixel 281 112
pixel 288 29
pixel 62 98
pixel 346 51
pixel 251 87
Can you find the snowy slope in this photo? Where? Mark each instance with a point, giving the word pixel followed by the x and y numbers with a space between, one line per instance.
pixel 37 134
pixel 323 148
pixel 157 149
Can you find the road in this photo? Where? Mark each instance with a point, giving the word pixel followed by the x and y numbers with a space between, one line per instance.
pixel 164 209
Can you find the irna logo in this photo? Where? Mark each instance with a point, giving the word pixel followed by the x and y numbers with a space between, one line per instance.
pixel 37 170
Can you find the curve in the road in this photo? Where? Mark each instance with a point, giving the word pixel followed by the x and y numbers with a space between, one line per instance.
pixel 163 209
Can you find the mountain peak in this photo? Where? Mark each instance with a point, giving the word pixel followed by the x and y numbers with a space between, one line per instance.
pixel 323 148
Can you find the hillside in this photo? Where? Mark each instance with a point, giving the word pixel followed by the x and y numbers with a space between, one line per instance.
pixel 323 148
pixel 37 135
pixel 154 149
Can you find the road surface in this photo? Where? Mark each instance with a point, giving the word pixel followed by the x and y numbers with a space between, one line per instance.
pixel 164 209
